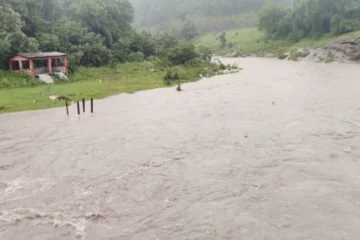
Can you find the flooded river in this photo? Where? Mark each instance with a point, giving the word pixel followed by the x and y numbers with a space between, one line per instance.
pixel 272 152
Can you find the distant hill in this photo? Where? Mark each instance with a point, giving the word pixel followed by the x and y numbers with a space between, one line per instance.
pixel 206 16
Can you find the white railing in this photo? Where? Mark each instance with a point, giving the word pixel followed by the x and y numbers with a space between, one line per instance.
pixel 41 70
pixel 44 70
pixel 58 69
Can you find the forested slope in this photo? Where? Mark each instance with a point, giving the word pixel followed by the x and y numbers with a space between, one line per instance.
pixel 310 18
pixel 197 16
pixel 91 32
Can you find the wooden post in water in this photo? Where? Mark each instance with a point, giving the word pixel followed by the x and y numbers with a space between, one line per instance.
pixel 67 108
pixel 83 102
pixel 78 107
pixel 92 105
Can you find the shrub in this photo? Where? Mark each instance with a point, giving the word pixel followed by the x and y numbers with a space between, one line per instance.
pixel 170 76
pixel 136 57
pixel 205 53
pixel 182 53
pixel 15 80
pixel 222 66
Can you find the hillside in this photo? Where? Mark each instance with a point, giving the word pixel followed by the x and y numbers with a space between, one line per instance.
pixel 252 42
pixel 200 16
pixel 309 24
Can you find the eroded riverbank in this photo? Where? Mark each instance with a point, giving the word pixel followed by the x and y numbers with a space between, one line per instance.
pixel 271 152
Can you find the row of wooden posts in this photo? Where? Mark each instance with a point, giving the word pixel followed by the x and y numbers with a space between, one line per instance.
pixel 83 106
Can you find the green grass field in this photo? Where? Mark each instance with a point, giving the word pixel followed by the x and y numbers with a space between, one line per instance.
pixel 88 83
pixel 251 40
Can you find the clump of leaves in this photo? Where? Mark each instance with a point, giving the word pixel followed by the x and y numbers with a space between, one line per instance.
pixel 355 56
pixel 283 56
pixel 58 80
pixel 329 58
pixel 296 55
pixel 222 66
pixel 170 77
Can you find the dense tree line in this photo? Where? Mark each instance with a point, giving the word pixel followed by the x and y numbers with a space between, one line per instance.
pixel 310 18
pixel 92 32
pixel 179 16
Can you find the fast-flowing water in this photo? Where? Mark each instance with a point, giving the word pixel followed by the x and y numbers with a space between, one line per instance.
pixel 272 152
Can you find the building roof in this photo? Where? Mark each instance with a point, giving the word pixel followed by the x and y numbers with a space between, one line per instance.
pixel 41 54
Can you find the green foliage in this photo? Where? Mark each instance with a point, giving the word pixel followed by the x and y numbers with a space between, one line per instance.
pixel 269 18
pixel 355 56
pixel 189 31
pixel 205 53
pixel 223 39
pixel 90 82
pixel 329 58
pixel 16 80
pixel 182 53
pixel 136 57
pixel 12 39
pixel 295 55
pixel 309 19
pixel 222 66
pixel 170 76
pixel 206 15
pixel 93 33
pixel 248 40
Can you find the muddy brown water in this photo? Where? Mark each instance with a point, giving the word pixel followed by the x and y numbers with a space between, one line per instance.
pixel 271 152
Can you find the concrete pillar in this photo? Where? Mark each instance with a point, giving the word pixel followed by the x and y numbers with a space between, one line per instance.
pixel 31 66
pixel 49 65
pixel 66 65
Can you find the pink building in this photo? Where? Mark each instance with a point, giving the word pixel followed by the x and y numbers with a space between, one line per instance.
pixel 39 63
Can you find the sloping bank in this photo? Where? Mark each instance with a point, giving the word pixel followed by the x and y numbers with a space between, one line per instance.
pixel 339 51
pixel 251 43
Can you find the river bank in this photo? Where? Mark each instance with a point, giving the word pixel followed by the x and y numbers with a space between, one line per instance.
pixel 270 152
pixel 251 43
pixel 21 93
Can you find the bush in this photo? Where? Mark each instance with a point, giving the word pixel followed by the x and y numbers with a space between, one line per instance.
pixel 59 80
pixel 295 55
pixel 170 76
pixel 17 80
pixel 222 66
pixel 194 62
pixel 205 53
pixel 182 53
pixel 136 57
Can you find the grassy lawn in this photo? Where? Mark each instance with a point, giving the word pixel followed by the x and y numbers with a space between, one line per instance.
pixel 87 83
pixel 250 40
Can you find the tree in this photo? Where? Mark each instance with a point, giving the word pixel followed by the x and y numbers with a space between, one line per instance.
pixel 91 32
pixel 182 53
pixel 189 31
pixel 223 39
pixel 12 39
pixel 269 18
pixel 110 19
pixel 207 15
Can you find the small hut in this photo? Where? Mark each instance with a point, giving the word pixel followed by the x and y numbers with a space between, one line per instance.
pixel 39 63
